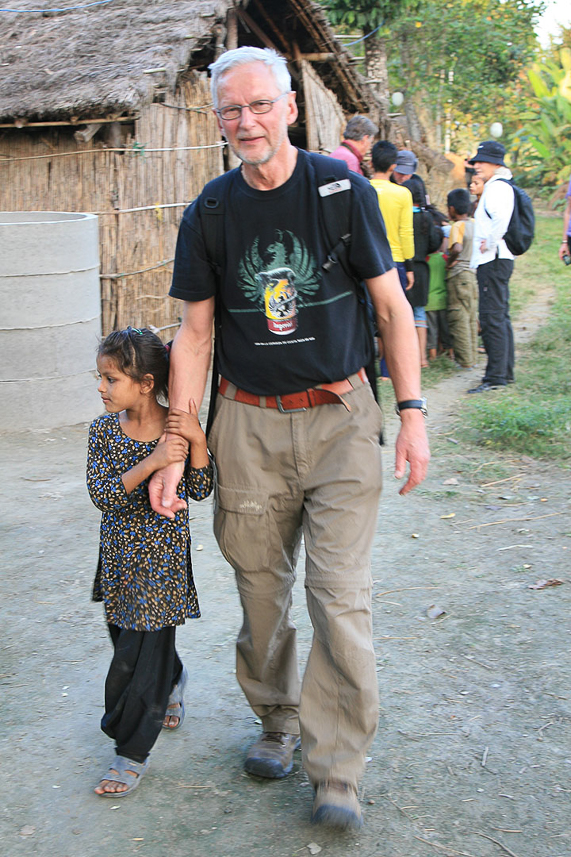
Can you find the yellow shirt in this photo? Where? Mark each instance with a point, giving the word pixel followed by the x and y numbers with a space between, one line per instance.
pixel 395 203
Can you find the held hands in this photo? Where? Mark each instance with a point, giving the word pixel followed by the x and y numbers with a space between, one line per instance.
pixel 185 428
pixel 169 450
pixel 185 425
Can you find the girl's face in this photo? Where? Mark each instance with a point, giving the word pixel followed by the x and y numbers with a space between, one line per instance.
pixel 477 186
pixel 119 392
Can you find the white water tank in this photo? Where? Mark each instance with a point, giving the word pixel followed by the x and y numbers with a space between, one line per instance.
pixel 50 319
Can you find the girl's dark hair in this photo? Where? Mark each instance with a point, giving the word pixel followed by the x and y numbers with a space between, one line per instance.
pixel 417 190
pixel 138 353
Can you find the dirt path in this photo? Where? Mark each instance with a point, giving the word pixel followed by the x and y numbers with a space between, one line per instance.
pixel 473 754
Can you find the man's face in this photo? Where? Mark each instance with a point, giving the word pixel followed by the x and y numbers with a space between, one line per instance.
pixel 484 170
pixel 400 178
pixel 254 138
pixel 363 145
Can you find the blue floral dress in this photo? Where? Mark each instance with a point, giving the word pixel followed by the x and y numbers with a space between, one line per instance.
pixel 144 575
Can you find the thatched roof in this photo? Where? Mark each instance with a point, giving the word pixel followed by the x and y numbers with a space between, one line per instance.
pixel 93 60
pixel 103 59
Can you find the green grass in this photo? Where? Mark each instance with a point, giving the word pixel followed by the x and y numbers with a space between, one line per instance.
pixel 534 416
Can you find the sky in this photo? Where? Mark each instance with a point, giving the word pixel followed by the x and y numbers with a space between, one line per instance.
pixel 557 12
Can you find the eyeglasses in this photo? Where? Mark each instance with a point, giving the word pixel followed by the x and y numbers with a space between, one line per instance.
pixel 262 105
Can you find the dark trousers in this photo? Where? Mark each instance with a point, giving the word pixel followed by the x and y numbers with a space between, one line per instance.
pixel 144 670
pixel 494 312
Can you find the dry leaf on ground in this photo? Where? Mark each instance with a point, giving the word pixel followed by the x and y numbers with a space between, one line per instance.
pixel 543 584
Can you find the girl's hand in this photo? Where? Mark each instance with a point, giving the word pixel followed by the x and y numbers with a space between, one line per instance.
pixel 185 425
pixel 169 450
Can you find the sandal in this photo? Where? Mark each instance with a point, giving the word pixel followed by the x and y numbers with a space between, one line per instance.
pixel 175 706
pixel 123 770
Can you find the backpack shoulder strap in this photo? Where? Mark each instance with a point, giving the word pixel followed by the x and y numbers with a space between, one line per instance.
pixel 211 203
pixel 334 188
pixel 211 207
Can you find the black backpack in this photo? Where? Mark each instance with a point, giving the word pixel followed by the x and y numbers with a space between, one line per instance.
pixel 333 184
pixel 521 228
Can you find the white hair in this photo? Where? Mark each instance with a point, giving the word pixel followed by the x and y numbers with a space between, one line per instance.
pixel 248 54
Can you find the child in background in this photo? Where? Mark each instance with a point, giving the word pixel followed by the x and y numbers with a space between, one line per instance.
pixel 144 575
pixel 427 239
pixel 461 281
pixel 476 188
pixel 438 337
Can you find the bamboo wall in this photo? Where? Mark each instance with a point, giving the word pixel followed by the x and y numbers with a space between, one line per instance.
pixel 323 114
pixel 88 177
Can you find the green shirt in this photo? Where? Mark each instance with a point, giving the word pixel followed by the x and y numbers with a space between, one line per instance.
pixel 437 293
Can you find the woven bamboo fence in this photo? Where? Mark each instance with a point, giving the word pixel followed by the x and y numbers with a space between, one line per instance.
pixel 49 171
pixel 323 114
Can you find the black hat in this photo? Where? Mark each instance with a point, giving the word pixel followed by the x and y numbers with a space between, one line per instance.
pixel 490 152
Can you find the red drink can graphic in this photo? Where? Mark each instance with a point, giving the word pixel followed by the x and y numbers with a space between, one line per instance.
pixel 280 300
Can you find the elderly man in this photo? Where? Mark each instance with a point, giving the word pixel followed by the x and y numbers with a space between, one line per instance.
pixel 356 144
pixel 295 434
pixel 494 264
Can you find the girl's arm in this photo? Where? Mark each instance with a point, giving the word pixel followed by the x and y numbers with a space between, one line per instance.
pixel 167 451
pixel 109 489
pixel 187 426
pixel 104 484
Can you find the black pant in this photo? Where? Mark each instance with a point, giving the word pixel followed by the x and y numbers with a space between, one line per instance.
pixel 144 670
pixel 494 312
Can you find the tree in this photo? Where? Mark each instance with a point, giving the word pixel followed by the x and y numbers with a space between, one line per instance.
pixel 543 140
pixel 373 18
pixel 461 61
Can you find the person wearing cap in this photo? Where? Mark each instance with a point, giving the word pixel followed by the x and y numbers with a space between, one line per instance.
pixel 494 264
pixel 405 169
pixel 356 144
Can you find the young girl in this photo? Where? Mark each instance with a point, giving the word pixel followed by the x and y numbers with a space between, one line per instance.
pixel 144 576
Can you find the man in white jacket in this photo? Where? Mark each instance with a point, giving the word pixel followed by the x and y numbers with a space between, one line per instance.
pixel 494 264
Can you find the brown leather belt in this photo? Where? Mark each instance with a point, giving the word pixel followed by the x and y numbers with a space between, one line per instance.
pixel 324 394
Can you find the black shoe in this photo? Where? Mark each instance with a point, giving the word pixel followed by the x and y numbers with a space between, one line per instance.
pixel 484 387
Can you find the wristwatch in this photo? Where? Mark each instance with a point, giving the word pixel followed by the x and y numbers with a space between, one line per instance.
pixel 417 404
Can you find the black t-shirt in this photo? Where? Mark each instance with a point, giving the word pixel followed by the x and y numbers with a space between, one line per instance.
pixel 285 324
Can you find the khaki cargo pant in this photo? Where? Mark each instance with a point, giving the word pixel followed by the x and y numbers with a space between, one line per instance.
pixel 463 316
pixel 316 474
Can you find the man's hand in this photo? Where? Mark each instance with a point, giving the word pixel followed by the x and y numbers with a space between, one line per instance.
pixel 483 246
pixel 162 490
pixel 412 446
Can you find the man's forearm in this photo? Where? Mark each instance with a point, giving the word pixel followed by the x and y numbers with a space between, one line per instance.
pixel 396 326
pixel 190 361
pixel 402 355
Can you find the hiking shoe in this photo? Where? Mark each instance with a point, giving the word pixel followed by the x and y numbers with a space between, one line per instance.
pixel 484 387
pixel 336 805
pixel 272 755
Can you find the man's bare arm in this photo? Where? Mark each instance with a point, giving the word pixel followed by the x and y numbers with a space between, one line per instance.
pixel 189 362
pixel 396 326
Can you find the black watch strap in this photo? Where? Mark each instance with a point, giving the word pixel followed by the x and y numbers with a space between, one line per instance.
pixel 417 404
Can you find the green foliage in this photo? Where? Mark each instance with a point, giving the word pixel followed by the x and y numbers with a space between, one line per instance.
pixel 466 56
pixel 543 142
pixel 534 416
pixel 367 15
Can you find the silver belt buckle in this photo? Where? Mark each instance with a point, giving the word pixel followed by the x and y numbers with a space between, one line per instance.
pixel 283 410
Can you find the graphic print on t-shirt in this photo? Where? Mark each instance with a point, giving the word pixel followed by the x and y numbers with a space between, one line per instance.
pixel 278 279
